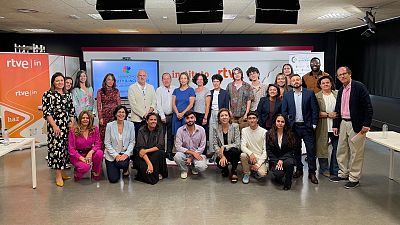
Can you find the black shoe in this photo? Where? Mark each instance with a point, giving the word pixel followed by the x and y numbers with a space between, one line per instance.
pixel 350 184
pixel 336 179
pixel 287 187
pixel 278 180
pixel 313 178
pixel 298 174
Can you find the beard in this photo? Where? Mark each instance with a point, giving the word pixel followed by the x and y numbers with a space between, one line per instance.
pixel 296 85
pixel 190 123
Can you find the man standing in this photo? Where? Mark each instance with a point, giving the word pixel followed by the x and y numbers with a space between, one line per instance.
pixel 354 110
pixel 310 79
pixel 240 95
pixel 253 146
pixel 259 89
pixel 302 110
pixel 164 109
pixel 142 99
pixel 190 143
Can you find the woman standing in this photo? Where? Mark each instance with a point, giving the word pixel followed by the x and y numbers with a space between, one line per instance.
pixel 85 147
pixel 281 144
pixel 119 143
pixel 58 112
pixel 107 99
pixel 82 94
pixel 182 101
pixel 202 101
pixel 281 82
pixel 287 70
pixel 149 156
pixel 226 143
pixel 69 84
pixel 269 106
pixel 326 100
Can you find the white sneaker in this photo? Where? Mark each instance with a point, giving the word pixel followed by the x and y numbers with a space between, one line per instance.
pixel 183 174
pixel 160 177
pixel 195 172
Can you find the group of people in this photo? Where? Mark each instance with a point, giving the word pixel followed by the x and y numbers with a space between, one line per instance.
pixel 262 126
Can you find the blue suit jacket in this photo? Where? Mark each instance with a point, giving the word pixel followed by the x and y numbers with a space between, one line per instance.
pixel 309 106
pixel 360 107
pixel 223 99
pixel 111 139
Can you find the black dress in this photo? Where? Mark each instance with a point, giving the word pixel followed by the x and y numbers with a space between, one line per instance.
pixel 60 107
pixel 148 139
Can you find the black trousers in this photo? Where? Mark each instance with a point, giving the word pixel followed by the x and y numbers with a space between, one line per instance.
pixel 307 135
pixel 287 172
pixel 114 167
pixel 167 128
pixel 138 125
pixel 199 121
pixel 159 163
pixel 232 155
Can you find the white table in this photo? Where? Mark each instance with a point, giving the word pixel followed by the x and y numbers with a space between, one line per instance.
pixel 19 143
pixel 392 142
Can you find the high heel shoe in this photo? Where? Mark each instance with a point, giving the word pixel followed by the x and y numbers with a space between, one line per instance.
pixel 65 176
pixel 60 184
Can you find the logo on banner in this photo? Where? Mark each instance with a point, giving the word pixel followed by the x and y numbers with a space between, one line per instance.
pixel 126 69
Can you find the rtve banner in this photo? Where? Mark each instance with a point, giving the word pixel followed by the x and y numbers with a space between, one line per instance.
pixel 24 77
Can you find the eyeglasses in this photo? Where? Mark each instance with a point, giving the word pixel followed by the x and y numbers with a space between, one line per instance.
pixel 342 74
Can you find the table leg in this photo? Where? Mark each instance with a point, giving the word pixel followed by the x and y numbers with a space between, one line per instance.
pixel 391 165
pixel 33 158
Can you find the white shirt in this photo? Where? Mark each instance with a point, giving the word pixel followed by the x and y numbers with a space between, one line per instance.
pixel 298 97
pixel 330 102
pixel 164 100
pixel 214 103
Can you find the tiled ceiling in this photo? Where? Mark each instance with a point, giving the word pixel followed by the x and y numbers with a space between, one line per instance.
pixel 56 15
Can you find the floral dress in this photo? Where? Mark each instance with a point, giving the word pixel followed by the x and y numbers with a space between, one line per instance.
pixel 106 104
pixel 83 100
pixel 60 107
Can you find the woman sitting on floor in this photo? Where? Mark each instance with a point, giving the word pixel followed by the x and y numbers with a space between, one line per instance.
pixel 119 142
pixel 149 156
pixel 84 146
pixel 281 144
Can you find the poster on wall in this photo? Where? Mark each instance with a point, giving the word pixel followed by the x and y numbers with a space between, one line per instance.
pixel 301 61
pixel 23 80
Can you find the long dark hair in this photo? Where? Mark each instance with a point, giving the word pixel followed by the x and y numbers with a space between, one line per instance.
pixel 287 131
pixel 78 77
pixel 104 85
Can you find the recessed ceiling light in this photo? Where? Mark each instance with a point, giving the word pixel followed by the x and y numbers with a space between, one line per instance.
pixel 40 30
pixel 2 17
pixel 334 16
pixel 74 17
pixel 229 16
pixel 293 31
pixel 27 10
pixel 95 16
pixel 165 17
pixel 128 30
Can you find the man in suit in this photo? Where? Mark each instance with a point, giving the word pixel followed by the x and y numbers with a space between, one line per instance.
pixel 302 110
pixel 354 110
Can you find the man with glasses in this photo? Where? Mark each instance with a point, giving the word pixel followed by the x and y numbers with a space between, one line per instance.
pixel 354 117
pixel 310 79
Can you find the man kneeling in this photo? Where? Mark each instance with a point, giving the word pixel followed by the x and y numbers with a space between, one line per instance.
pixel 190 143
pixel 253 149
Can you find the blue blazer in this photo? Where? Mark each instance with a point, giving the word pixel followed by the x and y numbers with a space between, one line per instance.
pixel 223 99
pixel 111 140
pixel 360 107
pixel 309 107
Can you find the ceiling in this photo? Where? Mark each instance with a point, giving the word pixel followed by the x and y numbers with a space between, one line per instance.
pixel 56 15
